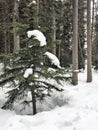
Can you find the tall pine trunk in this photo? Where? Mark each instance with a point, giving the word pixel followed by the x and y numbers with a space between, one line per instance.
pixel 15 21
pixel 89 45
pixel 37 14
pixel 93 15
pixel 5 29
pixel 75 43
pixel 54 34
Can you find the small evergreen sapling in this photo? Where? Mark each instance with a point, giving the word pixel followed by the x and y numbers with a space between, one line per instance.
pixel 29 73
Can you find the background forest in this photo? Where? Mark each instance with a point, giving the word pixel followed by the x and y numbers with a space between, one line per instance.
pixel 55 19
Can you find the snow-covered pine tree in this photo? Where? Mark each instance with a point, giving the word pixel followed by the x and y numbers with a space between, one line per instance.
pixel 29 73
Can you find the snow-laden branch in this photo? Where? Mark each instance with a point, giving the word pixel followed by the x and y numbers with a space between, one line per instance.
pixel 37 35
pixel 54 60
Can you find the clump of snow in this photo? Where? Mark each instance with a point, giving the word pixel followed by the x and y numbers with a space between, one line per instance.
pixel 34 1
pixel 54 60
pixel 28 72
pixel 51 70
pixel 67 75
pixel 37 35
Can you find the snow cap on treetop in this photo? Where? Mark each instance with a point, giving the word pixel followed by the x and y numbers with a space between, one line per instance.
pixel 37 35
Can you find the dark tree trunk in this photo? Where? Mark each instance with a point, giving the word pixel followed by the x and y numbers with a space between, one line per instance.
pixel 33 103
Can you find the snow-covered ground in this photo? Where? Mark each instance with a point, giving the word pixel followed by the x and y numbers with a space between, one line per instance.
pixel 80 113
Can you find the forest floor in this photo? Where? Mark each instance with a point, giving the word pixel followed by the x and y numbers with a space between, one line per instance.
pixel 79 113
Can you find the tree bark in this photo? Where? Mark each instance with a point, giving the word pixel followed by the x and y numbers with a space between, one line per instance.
pixel 5 28
pixel 75 43
pixel 15 21
pixel 54 35
pixel 92 29
pixel 89 45
pixel 33 103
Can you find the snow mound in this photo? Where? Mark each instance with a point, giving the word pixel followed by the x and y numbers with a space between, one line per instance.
pixel 80 113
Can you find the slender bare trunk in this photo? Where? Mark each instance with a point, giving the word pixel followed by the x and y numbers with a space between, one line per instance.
pixel 92 29
pixel 75 43
pixel 54 36
pixel 89 45
pixel 33 103
pixel 33 97
pixel 5 27
pixel 15 21
pixel 37 20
